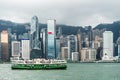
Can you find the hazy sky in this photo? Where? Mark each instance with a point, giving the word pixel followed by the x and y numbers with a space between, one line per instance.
pixel 70 12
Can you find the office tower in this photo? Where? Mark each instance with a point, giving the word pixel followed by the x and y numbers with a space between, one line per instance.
pixel 87 41
pixel 88 54
pixel 16 49
pixel 5 46
pixel 25 49
pixel 72 45
pixel 83 54
pixel 97 42
pixel 107 45
pixel 58 32
pixel 91 54
pixel 51 38
pixel 64 53
pixel 84 40
pixel 79 42
pixel 99 54
pixel 118 42
pixel 63 41
pixel 43 35
pixel 9 30
pixel 88 30
pixel 58 48
pixel 34 33
pixel 75 56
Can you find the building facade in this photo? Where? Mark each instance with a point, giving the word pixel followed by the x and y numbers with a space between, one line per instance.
pixel 25 49
pixel 5 46
pixel 72 45
pixel 51 26
pixel 75 56
pixel 88 54
pixel 64 53
pixel 118 42
pixel 34 34
pixel 58 48
pixel 43 35
pixel 107 45
pixel 79 42
pixel 16 49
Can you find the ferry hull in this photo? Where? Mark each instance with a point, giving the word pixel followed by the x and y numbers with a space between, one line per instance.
pixel 38 66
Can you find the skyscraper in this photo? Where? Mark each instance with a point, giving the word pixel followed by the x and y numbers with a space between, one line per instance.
pixel 5 46
pixel 118 42
pixel 51 26
pixel 58 32
pixel 15 49
pixel 79 42
pixel 72 45
pixel 107 45
pixel 63 41
pixel 34 33
pixel 88 30
pixel 58 48
pixel 43 35
pixel 25 49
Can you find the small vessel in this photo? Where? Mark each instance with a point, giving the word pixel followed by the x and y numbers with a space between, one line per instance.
pixel 39 64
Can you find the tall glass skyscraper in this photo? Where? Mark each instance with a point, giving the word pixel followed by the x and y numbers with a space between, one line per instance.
pixel 58 48
pixel 51 26
pixel 43 35
pixel 72 45
pixel 34 33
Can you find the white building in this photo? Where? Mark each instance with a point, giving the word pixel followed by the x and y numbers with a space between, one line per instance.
pixel 25 49
pixel 75 56
pixel 15 49
pixel 107 45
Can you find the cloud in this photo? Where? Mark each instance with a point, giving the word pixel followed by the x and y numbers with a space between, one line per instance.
pixel 70 12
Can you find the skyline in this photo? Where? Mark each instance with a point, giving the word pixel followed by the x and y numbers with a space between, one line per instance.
pixel 74 12
pixel 87 38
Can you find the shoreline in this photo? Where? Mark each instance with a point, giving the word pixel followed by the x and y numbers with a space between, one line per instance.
pixel 78 62
pixel 93 61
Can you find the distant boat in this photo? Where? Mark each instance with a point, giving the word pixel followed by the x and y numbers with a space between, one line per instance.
pixel 39 64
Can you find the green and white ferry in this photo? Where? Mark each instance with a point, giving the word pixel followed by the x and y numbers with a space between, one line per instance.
pixel 39 64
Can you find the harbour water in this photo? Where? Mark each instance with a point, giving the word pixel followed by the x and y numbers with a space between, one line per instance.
pixel 75 71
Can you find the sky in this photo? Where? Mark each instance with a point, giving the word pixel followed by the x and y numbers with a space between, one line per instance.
pixel 69 12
